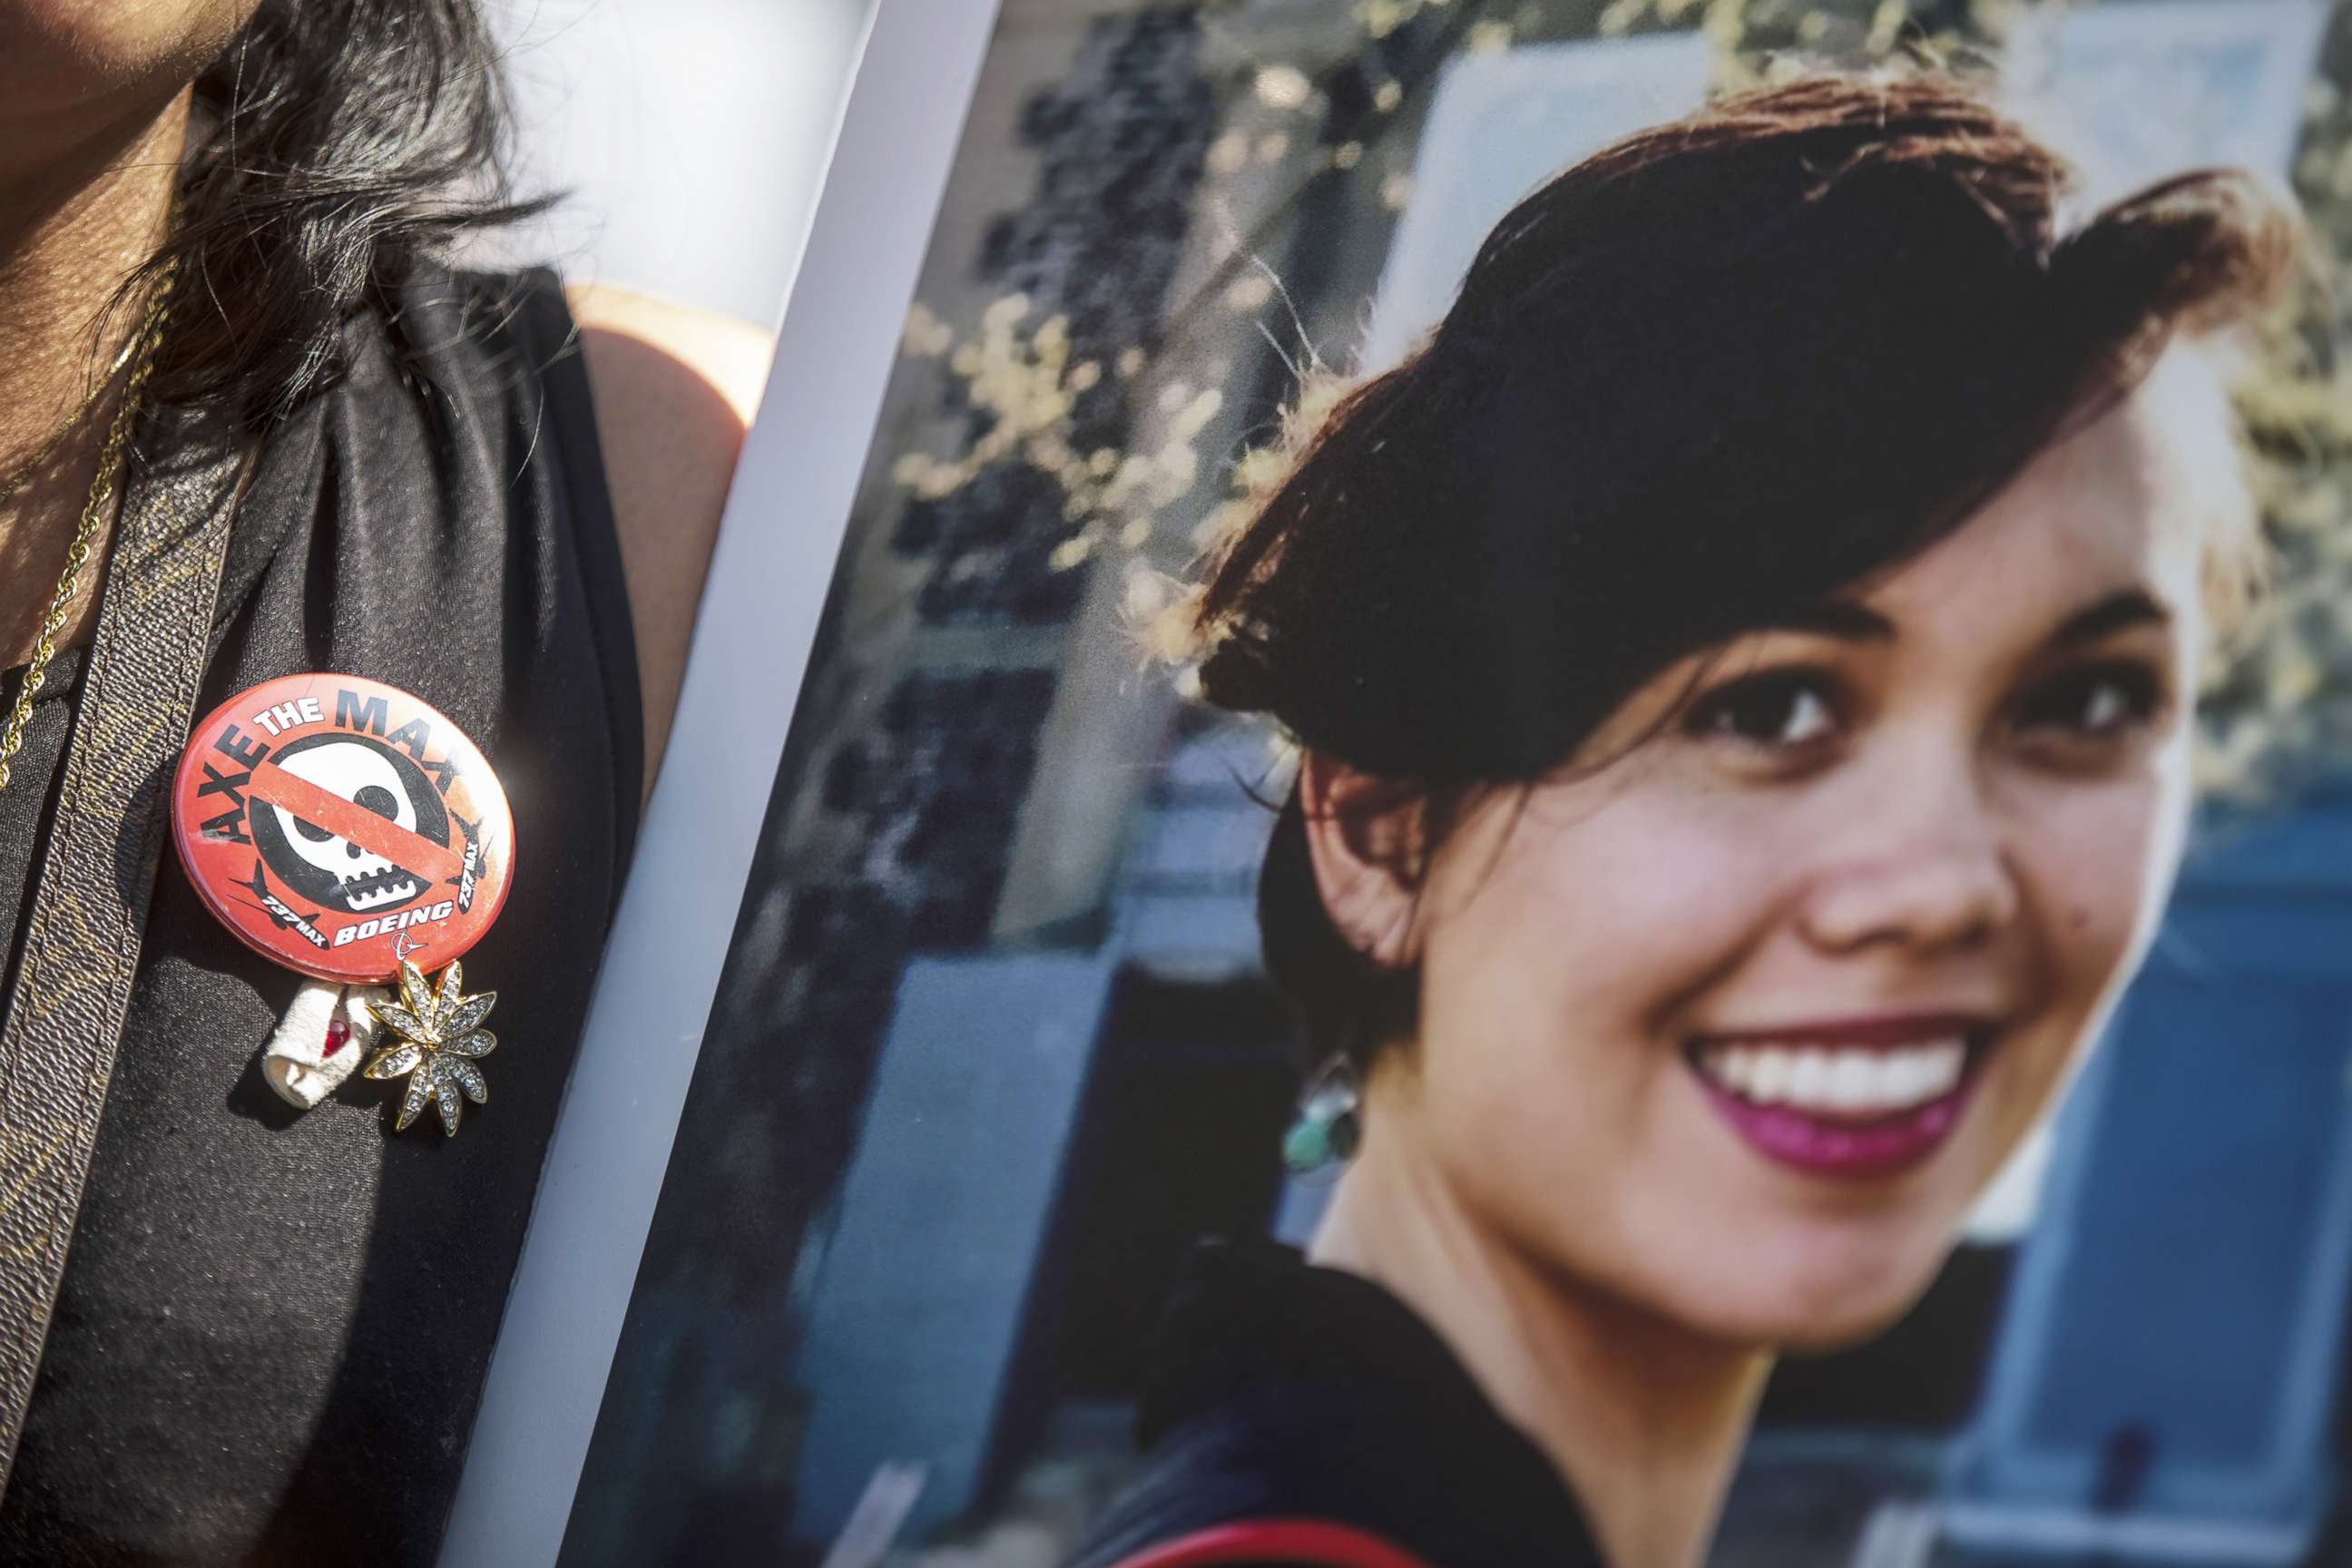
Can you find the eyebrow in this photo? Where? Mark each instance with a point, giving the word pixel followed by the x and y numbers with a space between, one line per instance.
pixel 2125 609
pixel 1848 621
pixel 1840 618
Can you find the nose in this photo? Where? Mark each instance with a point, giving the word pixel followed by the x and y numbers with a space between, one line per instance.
pixel 1926 870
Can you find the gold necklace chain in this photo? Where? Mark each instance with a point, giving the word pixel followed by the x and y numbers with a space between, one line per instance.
pixel 26 471
pixel 93 515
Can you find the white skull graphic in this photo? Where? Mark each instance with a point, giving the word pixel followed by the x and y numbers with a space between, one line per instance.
pixel 364 776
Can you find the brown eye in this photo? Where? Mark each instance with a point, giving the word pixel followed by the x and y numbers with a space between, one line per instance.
pixel 1781 709
pixel 2094 701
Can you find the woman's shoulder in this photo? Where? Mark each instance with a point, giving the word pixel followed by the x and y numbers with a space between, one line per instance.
pixel 675 389
pixel 1314 1414
pixel 681 348
pixel 646 401
pixel 1254 1472
pixel 1338 1476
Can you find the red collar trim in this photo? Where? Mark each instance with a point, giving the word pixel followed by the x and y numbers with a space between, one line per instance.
pixel 1304 1543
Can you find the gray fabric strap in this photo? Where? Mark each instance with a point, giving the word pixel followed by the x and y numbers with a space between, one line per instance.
pixel 73 983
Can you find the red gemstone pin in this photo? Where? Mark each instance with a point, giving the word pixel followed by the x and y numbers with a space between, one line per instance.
pixel 336 824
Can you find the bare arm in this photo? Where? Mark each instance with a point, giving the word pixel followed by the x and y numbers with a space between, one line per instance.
pixel 675 390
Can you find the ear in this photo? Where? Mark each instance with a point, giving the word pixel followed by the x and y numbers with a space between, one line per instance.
pixel 1367 838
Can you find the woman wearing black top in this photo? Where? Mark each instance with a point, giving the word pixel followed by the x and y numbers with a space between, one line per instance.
pixel 271 1330
pixel 1742 668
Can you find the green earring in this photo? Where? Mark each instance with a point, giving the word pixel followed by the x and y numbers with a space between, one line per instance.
pixel 1330 1123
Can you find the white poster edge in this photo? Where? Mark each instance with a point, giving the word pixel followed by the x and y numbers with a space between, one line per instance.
pixel 901 123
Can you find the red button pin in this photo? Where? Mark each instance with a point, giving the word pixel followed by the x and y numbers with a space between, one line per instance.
pixel 335 823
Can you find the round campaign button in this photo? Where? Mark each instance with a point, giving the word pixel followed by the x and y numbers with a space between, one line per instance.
pixel 336 825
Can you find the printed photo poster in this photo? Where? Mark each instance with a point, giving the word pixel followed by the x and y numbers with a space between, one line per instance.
pixel 997 1046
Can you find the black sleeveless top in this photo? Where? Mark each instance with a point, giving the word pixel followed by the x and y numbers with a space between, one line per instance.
pixel 274 1325
pixel 1282 1391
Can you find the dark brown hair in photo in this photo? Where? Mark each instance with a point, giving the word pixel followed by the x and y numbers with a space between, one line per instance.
pixel 1711 374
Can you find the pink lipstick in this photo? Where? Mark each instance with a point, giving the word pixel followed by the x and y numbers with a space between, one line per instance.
pixel 1853 1098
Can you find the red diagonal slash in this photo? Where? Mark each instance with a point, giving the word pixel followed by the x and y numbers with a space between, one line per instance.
pixel 376 835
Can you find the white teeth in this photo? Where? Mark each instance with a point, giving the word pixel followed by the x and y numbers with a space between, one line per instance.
pixel 1853 1081
pixel 1839 1078
pixel 1949 1068
pixel 1902 1079
pixel 1809 1079
pixel 1739 1068
pixel 1943 1070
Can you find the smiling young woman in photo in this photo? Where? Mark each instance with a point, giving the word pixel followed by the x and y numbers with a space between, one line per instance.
pixel 1743 667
